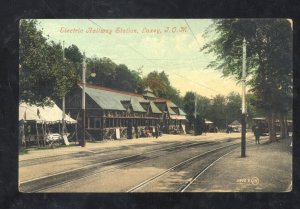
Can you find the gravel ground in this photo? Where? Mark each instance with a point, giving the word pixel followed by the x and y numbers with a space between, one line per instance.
pixel 267 167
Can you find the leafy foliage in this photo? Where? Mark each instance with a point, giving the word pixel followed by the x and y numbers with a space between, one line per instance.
pixel 269 60
pixel 220 109
pixel 73 54
pixel 189 107
pixel 104 68
pixel 44 74
pixel 233 108
pixel 217 111
pixel 161 86
pixel 269 54
pixel 158 82
pixel 109 74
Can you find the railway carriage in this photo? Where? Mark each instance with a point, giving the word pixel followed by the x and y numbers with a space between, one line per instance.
pixel 264 127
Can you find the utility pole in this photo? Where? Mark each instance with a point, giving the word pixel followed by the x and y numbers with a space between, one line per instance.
pixel 244 112
pixel 195 123
pixel 83 99
pixel 63 99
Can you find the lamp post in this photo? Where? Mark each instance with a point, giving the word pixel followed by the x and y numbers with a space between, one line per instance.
pixel 93 74
pixel 243 137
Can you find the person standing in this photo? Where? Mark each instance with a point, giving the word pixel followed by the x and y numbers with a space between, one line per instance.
pixel 205 129
pixel 256 131
pixel 216 129
pixel 136 130
pixel 129 130
pixel 157 130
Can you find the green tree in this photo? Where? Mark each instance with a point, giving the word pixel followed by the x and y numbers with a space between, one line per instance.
pixel 202 109
pixel 269 54
pixel 203 106
pixel 44 75
pixel 161 86
pixel 189 108
pixel 105 70
pixel 217 112
pixel 158 82
pixel 126 79
pixel 73 54
pixel 111 75
pixel 174 95
pixel 233 107
pixel 140 85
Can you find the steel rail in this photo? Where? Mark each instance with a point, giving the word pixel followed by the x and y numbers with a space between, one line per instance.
pixel 81 154
pixel 180 146
pixel 193 179
pixel 190 182
pixel 144 183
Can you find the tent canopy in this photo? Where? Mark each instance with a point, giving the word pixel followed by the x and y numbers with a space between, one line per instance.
pixel 235 123
pixel 42 114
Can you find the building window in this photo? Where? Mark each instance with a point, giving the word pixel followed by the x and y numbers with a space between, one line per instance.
pixel 94 122
pixel 97 123
pixel 91 123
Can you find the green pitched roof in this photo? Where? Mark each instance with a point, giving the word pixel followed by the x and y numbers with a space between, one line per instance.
pixel 111 100
pixel 154 108
pixel 171 112
pixel 136 106
pixel 181 112
pixel 149 94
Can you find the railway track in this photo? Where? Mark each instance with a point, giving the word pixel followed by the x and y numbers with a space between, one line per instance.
pixel 187 184
pixel 53 180
pixel 183 186
pixel 93 153
pixel 81 154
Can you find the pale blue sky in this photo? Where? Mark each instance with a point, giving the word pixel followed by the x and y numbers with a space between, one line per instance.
pixel 175 52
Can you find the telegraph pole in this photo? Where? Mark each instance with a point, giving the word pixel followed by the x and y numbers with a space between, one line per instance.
pixel 244 112
pixel 63 99
pixel 195 123
pixel 83 99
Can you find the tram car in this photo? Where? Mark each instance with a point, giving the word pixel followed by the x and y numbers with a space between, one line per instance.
pixel 264 127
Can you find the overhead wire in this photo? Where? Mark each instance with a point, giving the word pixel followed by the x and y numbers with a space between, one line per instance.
pixel 121 41
pixel 149 60
pixel 193 33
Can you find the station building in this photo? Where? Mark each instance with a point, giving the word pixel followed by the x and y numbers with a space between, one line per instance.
pixel 114 114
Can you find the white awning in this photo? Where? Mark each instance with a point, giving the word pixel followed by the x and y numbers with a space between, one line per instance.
pixel 43 114
pixel 178 117
pixel 208 122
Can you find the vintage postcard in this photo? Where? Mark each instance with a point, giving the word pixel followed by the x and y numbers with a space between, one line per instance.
pixel 155 105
